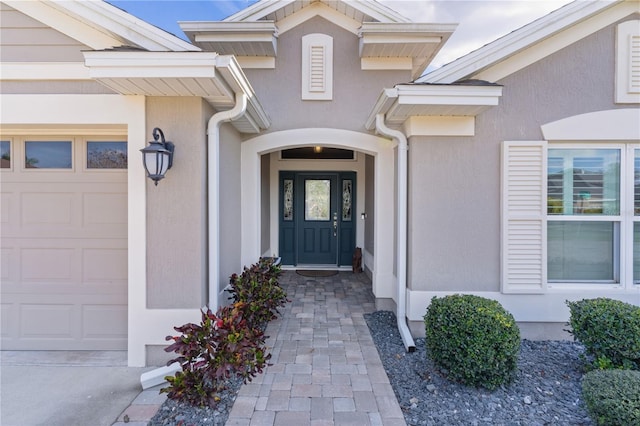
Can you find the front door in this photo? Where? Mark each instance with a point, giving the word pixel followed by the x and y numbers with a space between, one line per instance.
pixel 316 218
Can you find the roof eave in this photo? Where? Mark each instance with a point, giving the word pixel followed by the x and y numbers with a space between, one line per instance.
pixel 207 75
pixel 497 51
pixel 433 100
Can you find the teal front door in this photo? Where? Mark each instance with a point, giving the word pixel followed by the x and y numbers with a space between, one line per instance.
pixel 317 224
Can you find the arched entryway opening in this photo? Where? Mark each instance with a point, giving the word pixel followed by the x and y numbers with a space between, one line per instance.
pixel 374 171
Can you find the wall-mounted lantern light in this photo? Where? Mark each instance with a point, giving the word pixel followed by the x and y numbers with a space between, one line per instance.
pixel 157 158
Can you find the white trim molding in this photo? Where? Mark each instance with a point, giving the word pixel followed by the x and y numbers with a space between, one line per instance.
pixel 44 71
pixel 628 62
pixel 440 126
pixel 608 125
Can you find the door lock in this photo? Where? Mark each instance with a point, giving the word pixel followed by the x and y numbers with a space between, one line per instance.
pixel 335 224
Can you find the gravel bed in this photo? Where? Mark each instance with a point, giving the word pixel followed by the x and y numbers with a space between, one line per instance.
pixel 546 390
pixel 174 413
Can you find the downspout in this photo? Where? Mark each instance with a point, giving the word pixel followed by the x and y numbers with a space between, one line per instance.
pixel 156 377
pixel 401 254
pixel 213 186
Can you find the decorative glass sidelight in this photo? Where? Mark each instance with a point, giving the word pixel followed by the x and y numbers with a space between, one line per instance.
pixel 317 200
pixel 347 188
pixel 288 200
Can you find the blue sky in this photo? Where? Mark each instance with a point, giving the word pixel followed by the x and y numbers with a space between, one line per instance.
pixel 480 21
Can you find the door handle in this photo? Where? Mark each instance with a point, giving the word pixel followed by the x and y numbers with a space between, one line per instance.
pixel 335 224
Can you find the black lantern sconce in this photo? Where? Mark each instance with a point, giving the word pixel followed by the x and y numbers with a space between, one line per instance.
pixel 157 158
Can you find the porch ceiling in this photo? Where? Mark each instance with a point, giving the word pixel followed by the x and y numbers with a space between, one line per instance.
pixel 215 78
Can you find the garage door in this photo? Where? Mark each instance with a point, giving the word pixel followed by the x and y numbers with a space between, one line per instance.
pixel 64 243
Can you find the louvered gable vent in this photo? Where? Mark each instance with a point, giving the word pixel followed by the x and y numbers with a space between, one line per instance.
pixel 628 62
pixel 317 67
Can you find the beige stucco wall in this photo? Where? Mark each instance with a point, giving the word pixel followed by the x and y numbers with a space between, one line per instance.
pixel 229 205
pixel 176 211
pixel 454 182
pixel 354 91
pixel 369 203
pixel 265 203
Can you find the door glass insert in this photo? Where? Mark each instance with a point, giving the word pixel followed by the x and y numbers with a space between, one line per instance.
pixel 317 199
pixel 288 200
pixel 48 155
pixel 346 199
pixel 5 152
pixel 106 155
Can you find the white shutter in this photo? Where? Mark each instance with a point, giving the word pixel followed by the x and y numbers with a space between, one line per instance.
pixel 524 221
pixel 317 67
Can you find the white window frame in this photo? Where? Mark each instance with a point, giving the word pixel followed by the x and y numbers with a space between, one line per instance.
pixel 624 234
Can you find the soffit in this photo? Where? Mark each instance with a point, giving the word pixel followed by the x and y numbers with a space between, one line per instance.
pixel 208 75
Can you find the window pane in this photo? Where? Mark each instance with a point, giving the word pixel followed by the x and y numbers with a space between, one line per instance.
pixel 106 155
pixel 48 155
pixel 583 182
pixel 317 199
pixel 5 154
pixel 346 199
pixel 582 251
pixel 636 252
pixel 288 200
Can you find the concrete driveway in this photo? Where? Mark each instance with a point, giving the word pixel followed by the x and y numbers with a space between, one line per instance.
pixel 65 387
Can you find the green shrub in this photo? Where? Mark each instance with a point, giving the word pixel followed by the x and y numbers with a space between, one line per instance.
pixel 259 289
pixel 475 339
pixel 221 346
pixel 612 397
pixel 609 330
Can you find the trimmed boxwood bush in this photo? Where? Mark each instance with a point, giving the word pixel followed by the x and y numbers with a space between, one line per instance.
pixel 609 330
pixel 475 339
pixel 612 397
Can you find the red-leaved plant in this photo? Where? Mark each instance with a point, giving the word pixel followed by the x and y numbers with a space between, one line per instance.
pixel 223 345
pixel 258 287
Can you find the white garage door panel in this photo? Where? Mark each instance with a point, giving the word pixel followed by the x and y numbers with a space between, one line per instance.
pixel 64 255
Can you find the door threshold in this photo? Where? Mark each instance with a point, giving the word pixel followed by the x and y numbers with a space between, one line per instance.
pixel 315 267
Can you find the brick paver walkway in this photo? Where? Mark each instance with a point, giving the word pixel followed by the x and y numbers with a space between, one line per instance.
pixel 326 369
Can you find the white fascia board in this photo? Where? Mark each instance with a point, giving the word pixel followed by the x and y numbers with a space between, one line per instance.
pixel 383 104
pixel 258 10
pixel 265 7
pixel 516 41
pixel 257 62
pixel 119 64
pixel 378 11
pixel 448 95
pixel 234 76
pixel 228 27
pixel 43 71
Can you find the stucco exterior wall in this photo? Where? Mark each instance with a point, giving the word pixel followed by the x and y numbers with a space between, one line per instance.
pixel 230 205
pixel 354 90
pixel 176 219
pixel 265 203
pixel 454 209
pixel 369 203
